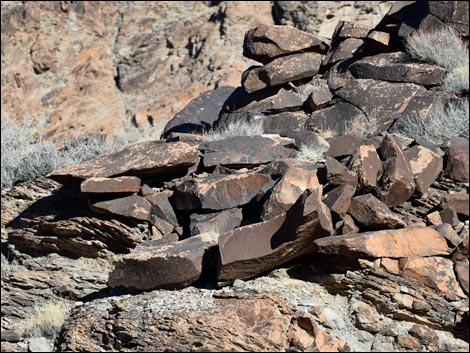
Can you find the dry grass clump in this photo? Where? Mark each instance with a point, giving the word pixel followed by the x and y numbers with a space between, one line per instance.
pixel 360 125
pixel 240 127
pixel 445 48
pixel 46 320
pixel 311 153
pixel 8 267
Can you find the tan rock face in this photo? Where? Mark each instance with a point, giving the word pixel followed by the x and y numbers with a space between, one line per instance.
pixel 366 163
pixel 131 206
pixel 110 185
pixel 420 241
pixel 426 166
pixel 459 202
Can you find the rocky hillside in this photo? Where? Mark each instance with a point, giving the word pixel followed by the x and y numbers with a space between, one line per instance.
pixel 124 68
pixel 323 205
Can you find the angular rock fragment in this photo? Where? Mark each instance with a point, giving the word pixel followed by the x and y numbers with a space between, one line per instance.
pixel 366 163
pixel 461 270
pixel 339 199
pixel 348 226
pixel 169 266
pixel 457 160
pixel 134 206
pixel 371 213
pixel 286 121
pixel 459 202
pixel 434 218
pixel 147 159
pixel 395 243
pixel 347 29
pixel 449 216
pixel 110 185
pixel 241 151
pixel 347 49
pixel 426 166
pixel 220 222
pixel 346 145
pixel 338 174
pixel 161 206
pixel 219 192
pixel 453 239
pixel 462 252
pixel 253 249
pixel 264 43
pixel 319 98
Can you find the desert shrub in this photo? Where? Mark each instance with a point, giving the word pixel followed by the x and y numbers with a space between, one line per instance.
pixel 46 319
pixel 8 267
pixel 26 155
pixel 239 127
pixel 445 48
pixel 441 124
pixel 311 153
pixel 360 125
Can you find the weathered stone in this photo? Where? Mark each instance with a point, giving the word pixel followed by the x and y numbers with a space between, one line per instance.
pixel 278 168
pixel 397 67
pixel 10 336
pixel 241 151
pixel 378 39
pixel 346 145
pixel 462 251
pixel 161 206
pixel 453 239
pixel 287 191
pixel 347 226
pixel 378 99
pixel 253 249
pixel 461 270
pixel 199 114
pixel 220 222
pixel 154 159
pixel 264 43
pixel 434 272
pixel 347 49
pixel 318 99
pixel 366 163
pixel 426 166
pixel 449 216
pixel 219 192
pixel 281 70
pixel 110 185
pixel 434 218
pixel 308 138
pixel 339 198
pixel 131 206
pixel 169 266
pixel 40 344
pixel 347 29
pixel 371 213
pixel 338 174
pixel 457 160
pixel 394 243
pixel 283 122
pixel 164 228
pixel 459 202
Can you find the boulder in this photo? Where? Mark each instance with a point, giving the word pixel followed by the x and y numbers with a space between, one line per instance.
pixel 449 216
pixel 265 43
pixel 458 202
pixel 338 174
pixel 170 266
pixel 456 161
pixel 98 185
pixel 318 99
pixel 394 243
pixel 346 145
pixel 161 206
pixel 348 29
pixel 219 222
pixel 426 166
pixel 347 49
pixel 282 122
pixel 339 199
pixel 366 163
pixel 134 206
pixel 371 213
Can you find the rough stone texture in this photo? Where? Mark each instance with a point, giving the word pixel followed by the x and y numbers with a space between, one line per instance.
pixel 371 213
pixel 346 145
pixel 339 198
pixel 287 191
pixel 345 50
pixel 366 163
pixel 161 206
pixel 218 192
pixel 348 226
pixel 459 202
pixel 110 185
pixel 397 67
pixel 220 222
pixel 170 266
pixel 131 206
pixel 265 43
pixel 347 29
pixel 462 251
pixel 281 70
pixel 448 232
pixel 426 166
pixel 283 122
pixel 253 249
pixel 457 159
pixel 449 216
pixel 461 270
pixel 201 113
pixel 318 99
pixel 338 174
pixel 239 151
pixel 396 243
pixel 142 159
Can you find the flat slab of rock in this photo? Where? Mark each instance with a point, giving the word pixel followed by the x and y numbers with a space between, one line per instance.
pixel 134 206
pixel 426 166
pixel 367 164
pixel 110 185
pixel 219 192
pixel 347 29
pixel 219 222
pixel 141 159
pixel 346 145
pixel 394 243
pixel 397 67
pixel 250 250
pixel 170 266
pixel 199 114
pixel 244 151
pixel 281 70
pixel 266 42
pixel 457 159
pixel 286 121
pixel 344 50
pixel 371 213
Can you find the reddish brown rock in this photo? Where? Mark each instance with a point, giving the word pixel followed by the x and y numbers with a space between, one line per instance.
pixel 449 216
pixel 371 213
pixel 143 159
pixel 426 166
pixel 457 165
pixel 348 226
pixel 220 222
pixel 281 70
pixel 218 192
pixel 453 239
pixel 347 29
pixel 462 251
pixel 161 206
pixel 397 243
pixel 397 67
pixel 458 202
pixel 318 99
pixel 434 218
pixel 169 266
pixel 253 249
pixel 346 145
pixel 338 199
pixel 264 43
pixel 434 272
pixel 461 270
pixel 287 191
pixel 242 151
pixel 131 206
pixel 366 163
pixel 347 49
pixel 110 185
pixel 338 174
